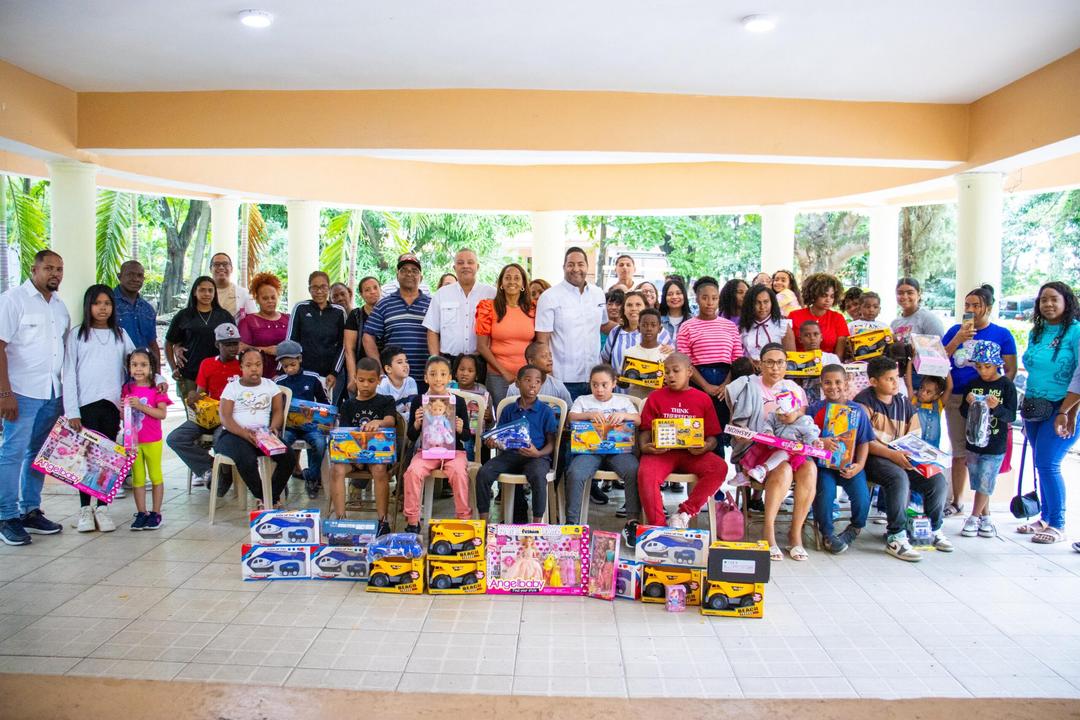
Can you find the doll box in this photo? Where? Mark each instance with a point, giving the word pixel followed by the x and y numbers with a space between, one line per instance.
pixel 840 422
pixel 275 562
pixel 643 373
pixel 339 562
pixel 457 539
pixel 537 559
pixel 323 416
pixel 603 564
pixel 289 527
pixel 84 459
pixel 348 532
pixel 206 413
pixel 628 579
pixel 803 363
pixel 791 446
pixel 733 599
pixel 353 445
pixel 657 545
pixel 656 578
pixel 678 433
pixel 869 344
pixel 401 576
pixel 930 357
pixel 512 436
pixel 449 576
pixel 269 443
pixel 588 439
pixel 739 562
pixel 438 427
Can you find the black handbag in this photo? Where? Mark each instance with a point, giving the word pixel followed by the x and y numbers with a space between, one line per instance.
pixel 1036 409
pixel 1024 505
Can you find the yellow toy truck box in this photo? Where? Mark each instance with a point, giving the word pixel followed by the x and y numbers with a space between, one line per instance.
pixel 656 578
pixel 678 433
pixel 205 413
pixel 803 363
pixel 739 562
pixel 869 344
pixel 398 575
pixel 457 540
pixel 643 373
pixel 733 599
pixel 449 576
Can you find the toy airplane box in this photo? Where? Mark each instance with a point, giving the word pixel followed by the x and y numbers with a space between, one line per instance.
pixel 206 413
pixel 628 579
pixel 537 559
pixel 842 423
pixel 588 439
pixel 869 344
pixel 322 416
pixel 360 447
pixel 671 546
pixel 338 562
pixel 603 564
pixel 643 373
pixel 398 575
pixel 803 363
pixel 678 433
pixel 275 562
pixel 656 578
pixel 512 436
pixel 733 599
pixel 450 576
pixel 930 357
pixel 739 562
pixel 457 539
pixel 284 527
pixel 346 532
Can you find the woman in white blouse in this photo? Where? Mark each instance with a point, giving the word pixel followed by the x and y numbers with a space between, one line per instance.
pixel 762 323
pixel 624 336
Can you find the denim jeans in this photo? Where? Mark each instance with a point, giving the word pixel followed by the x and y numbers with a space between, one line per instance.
pixel 896 486
pixel 580 470
pixel 1048 450
pixel 857 491
pixel 20 485
pixel 316 441
pixel 184 442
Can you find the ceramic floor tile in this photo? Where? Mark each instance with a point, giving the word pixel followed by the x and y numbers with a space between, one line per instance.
pixel 77 570
pixel 469 654
pixel 904 590
pixel 366 610
pixel 794 657
pixel 53 636
pixel 255 645
pixel 242 674
pixel 663 687
pixel 675 657
pixel 974 657
pixel 153 573
pixel 796 687
pixel 147 639
pixel 566 616
pixel 140 669
pixel 1050 686
pixel 569 686
pixel 287 610
pixel 468 684
pixel 941 685
pixel 343 679
pixel 219 576
pixel 32 598
pixel 860 621
pixel 223 530
pixel 820 590
pixel 201 605
pixel 176 549
pixel 49 545
pixel 485 617
pixel 112 601
pixel 1030 618
pixel 360 650
pixel 11 624
pixel 780 619
pixel 651 620
pixel 116 546
pixel 554 656
pixel 36 665
pixel 13 567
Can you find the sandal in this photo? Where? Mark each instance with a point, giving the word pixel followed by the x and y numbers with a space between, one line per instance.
pixel 775 553
pixel 798 553
pixel 1048 536
pixel 953 509
pixel 1032 527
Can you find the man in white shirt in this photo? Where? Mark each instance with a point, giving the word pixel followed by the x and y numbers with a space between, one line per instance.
pixel 235 299
pixel 568 320
pixel 34 323
pixel 451 317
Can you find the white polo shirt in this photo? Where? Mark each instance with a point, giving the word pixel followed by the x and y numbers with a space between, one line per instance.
pixel 573 317
pixel 34 331
pixel 452 314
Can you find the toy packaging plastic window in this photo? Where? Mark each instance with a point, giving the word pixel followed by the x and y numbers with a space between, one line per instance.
pixel 587 437
pixel 437 432
pixel 270 527
pixel 671 546
pixel 337 562
pixel 87 460
pixel 857 378
pixel 537 559
pixel 602 564
pixel 841 422
pixel 322 417
pixel 803 364
pixel 791 446
pixel 275 562
pixel 353 445
pixel 930 357
pixel 927 459
pixel 678 433
pixel 978 422
pixel 870 343
pixel 512 436
pixel 644 373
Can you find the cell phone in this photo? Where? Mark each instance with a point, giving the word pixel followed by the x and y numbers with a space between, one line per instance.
pixel 968 319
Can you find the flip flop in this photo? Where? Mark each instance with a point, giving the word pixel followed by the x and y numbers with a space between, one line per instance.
pixel 775 553
pixel 1031 528
pixel 798 553
pixel 1048 536
pixel 953 509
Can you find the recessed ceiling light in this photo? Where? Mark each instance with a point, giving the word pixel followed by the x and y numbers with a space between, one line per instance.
pixel 759 23
pixel 256 18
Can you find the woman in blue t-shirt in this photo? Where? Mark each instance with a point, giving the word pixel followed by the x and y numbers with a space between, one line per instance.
pixel 1051 361
pixel 958 341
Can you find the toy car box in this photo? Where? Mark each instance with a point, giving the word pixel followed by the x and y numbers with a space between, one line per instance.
pixel 449 576
pixel 205 413
pixel 603 564
pixel 733 599
pixel 628 579
pixel 643 373
pixel 930 357
pixel 457 539
pixel 338 562
pixel 347 532
pixel 842 423
pixel 739 562
pixel 588 439
pixel 537 559
pixel 656 578
pixel 353 445
pixel 870 344
pixel 402 576
pixel 803 363
pixel 275 562
pixel 512 436
pixel 323 416
pixel 671 546
pixel 678 433
pixel 284 527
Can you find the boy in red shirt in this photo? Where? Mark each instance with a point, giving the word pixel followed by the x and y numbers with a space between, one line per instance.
pixel 678 400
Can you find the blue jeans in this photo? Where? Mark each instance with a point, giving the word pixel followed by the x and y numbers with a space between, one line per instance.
pixel 579 472
pixel 20 485
pixel 983 471
pixel 316 441
pixel 857 491
pixel 1048 450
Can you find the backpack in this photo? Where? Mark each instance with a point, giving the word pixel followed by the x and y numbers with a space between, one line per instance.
pixel 730 525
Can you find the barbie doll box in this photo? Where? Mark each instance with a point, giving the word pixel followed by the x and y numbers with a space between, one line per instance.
pixel 678 433
pixel 603 564
pixel 87 460
pixel 353 445
pixel 322 416
pixel 588 438
pixel 438 430
pixel 537 559
pixel 930 357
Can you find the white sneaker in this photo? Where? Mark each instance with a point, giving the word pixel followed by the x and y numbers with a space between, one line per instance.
pixel 942 543
pixel 679 520
pixel 86 520
pixel 878 517
pixel 898 546
pixel 739 480
pixel 971 526
pixel 758 473
pixel 101 517
pixel 986 527
pixel 202 480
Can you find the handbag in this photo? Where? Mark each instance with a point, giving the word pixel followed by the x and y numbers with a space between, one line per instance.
pixel 730 524
pixel 1036 409
pixel 1024 505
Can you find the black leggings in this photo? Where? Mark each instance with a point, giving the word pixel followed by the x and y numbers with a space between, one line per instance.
pixel 103 417
pixel 246 456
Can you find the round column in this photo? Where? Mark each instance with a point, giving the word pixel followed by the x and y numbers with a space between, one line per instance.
pixel 224 230
pixel 884 266
pixel 548 246
pixel 978 233
pixel 777 238
pixel 303 235
pixel 73 227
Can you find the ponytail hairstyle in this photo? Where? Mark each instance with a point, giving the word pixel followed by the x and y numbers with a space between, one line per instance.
pixel 985 293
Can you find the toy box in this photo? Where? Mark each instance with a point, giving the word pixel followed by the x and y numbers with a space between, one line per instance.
pixel 930 357
pixel 537 559
pixel 655 578
pixel 396 545
pixel 840 422
pixel 278 527
pixel 857 379
pixel 349 533
pixel 269 443
pixel 644 373
pixel 338 562
pixel 803 363
pixel 399 575
pixel 586 437
pixel 870 344
pixel 322 417
pixel 603 561
pixel 275 562
pixel 658 545
pixel 353 445
pixel 87 460
pixel 628 579
pixel 438 427
pixel 791 446
pixel 920 531
pixel 449 576
pixel 678 433
pixel 512 436
pixel 927 459
pixel 457 539
pixel 733 599
pixel 739 562
pixel 206 413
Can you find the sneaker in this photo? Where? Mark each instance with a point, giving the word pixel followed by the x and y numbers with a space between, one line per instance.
pixel 849 535
pixel 879 518
pixel 739 480
pixel 201 480
pixel 36 522
pixel 86 520
pixel 758 473
pixel 621 512
pixel 139 521
pixel 13 533
pixel 311 486
pixel 942 543
pixel 154 521
pixel 898 546
pixel 679 520
pixel 101 517
pixel 414 528
pixel 757 505
pixel 618 484
pixel 986 527
pixel 598 496
pixel 382 529
pixel 835 544
pixel 971 527
pixel 629 533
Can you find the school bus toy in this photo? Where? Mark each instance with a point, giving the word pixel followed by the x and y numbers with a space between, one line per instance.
pixel 804 364
pixel 644 373
pixel 457 539
pixel 451 577
pixel 656 578
pixel 678 433
pixel 353 445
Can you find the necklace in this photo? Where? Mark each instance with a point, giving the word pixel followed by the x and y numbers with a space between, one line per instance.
pixel 103 343
pixel 205 320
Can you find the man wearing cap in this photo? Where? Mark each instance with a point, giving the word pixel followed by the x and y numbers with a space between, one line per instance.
pixel 398 319
pixel 451 317
pixel 236 300
pixel 214 374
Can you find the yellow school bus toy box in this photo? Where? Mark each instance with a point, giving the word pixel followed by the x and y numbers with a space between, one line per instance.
pixel 678 433
pixel 656 578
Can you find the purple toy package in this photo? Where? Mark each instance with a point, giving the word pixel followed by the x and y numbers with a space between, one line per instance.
pixel 537 559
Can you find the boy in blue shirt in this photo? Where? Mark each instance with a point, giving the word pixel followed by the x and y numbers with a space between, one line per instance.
pixel 305 385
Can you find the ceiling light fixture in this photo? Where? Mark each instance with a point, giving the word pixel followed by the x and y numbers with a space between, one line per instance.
pixel 759 23
pixel 256 18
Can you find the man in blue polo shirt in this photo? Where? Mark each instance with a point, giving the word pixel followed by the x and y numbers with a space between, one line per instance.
pixel 398 319
pixel 133 312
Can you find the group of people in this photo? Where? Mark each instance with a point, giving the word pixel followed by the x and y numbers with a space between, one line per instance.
pixel 724 357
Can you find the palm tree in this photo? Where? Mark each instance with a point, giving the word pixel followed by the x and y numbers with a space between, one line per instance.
pixel 30 220
pixel 338 256
pixel 116 215
pixel 253 240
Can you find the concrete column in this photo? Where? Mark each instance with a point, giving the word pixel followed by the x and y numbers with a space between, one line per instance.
pixel 884 257
pixel 548 246
pixel 978 233
pixel 73 219
pixel 777 238
pixel 224 230
pixel 303 234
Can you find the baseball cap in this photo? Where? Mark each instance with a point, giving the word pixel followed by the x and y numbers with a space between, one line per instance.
pixel 406 258
pixel 289 349
pixel 226 332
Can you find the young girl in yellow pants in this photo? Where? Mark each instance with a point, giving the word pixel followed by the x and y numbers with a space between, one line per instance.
pixel 148 404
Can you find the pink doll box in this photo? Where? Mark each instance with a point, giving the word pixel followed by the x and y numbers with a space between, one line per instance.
pixel 791 446
pixel 628 579
pixel 603 563
pixel 269 443
pixel 537 559
pixel 438 429
pixel 87 460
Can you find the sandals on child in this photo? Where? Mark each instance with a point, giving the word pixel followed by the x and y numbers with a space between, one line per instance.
pixel 1048 536
pixel 775 553
pixel 798 553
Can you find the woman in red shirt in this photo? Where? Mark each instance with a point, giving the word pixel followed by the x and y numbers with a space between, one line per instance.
pixel 819 292
pixel 504 328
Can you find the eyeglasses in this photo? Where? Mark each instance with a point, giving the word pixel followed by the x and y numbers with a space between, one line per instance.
pixel 774 363
pixel 221 265
pixel 318 288
pixel 408 271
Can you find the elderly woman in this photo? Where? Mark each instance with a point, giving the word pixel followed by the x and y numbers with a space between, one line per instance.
pixel 820 292
pixel 504 328
pixel 751 399
pixel 266 328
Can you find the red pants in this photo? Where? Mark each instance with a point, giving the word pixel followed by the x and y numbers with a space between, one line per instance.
pixel 709 467
pixel 457 474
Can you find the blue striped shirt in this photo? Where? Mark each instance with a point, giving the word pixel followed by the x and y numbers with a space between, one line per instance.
pixel 395 322
pixel 620 340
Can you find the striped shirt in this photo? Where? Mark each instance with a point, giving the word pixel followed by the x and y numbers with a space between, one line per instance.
pixel 619 340
pixel 396 322
pixel 707 342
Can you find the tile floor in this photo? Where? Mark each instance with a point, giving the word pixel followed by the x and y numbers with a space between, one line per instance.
pixel 998 617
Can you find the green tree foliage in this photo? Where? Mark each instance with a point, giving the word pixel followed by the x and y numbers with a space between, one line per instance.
pixel 1040 241
pixel 26 218
pixel 928 251
pixel 834 242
